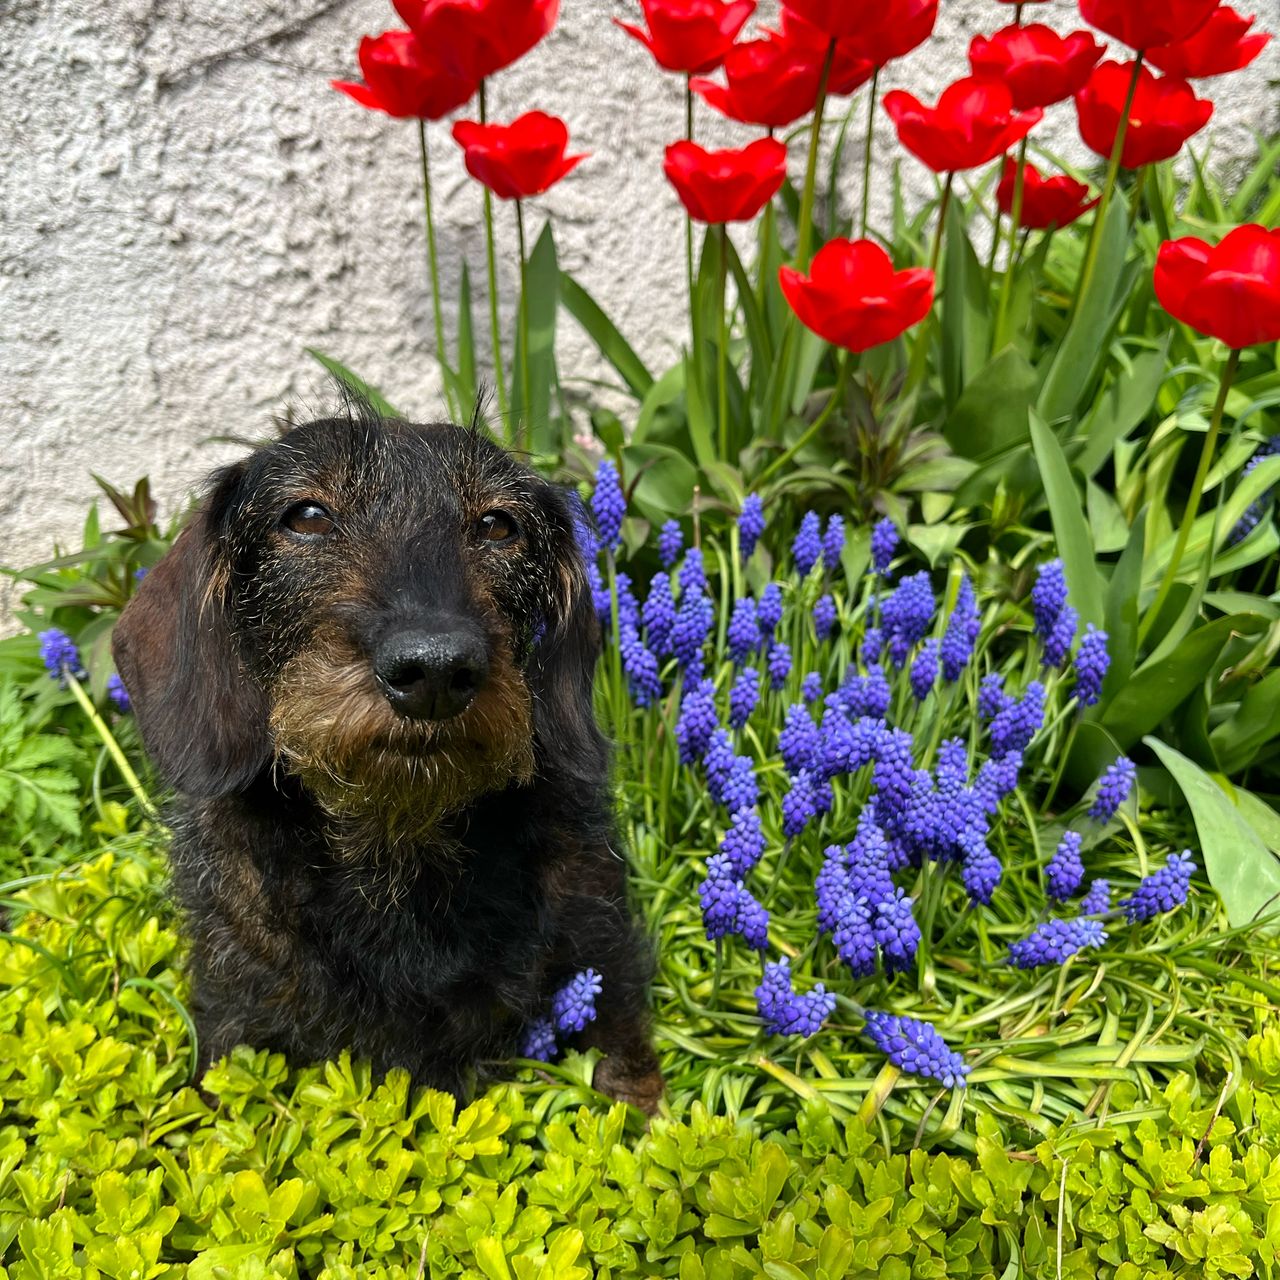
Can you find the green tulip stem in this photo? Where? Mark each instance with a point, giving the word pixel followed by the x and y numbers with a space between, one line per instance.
pixel 722 345
pixel 943 209
pixel 1017 13
pixel 114 750
pixel 866 151
pixel 837 394
pixel 1108 187
pixel 491 263
pixel 688 221
pixel 524 429
pixel 433 266
pixel 1197 492
pixel 1015 221
pixel 805 233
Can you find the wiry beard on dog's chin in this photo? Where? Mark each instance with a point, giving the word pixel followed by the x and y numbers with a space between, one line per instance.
pixel 388 783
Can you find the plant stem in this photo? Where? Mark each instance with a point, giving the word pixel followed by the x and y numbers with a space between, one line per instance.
pixel 866 151
pixel 943 209
pixel 1015 220
pixel 1108 188
pixel 491 262
pixel 837 394
pixel 688 224
pixel 433 266
pixel 524 428
pixel 811 169
pixel 1193 501
pixel 1017 13
pixel 113 747
pixel 920 351
pixel 722 352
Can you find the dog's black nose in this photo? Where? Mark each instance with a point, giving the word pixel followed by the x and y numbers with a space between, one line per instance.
pixel 431 675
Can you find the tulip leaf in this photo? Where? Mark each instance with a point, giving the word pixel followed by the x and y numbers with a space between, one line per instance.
pixel 1160 684
pixel 1087 334
pixel 990 416
pixel 1070 527
pixel 355 383
pixel 606 335
pixel 966 320
pixel 1121 407
pixel 1243 871
pixel 467 391
pixel 1238 740
pixel 1122 613
pixel 665 480
pixel 541 298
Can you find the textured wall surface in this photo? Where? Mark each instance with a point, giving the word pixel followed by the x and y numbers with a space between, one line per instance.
pixel 187 205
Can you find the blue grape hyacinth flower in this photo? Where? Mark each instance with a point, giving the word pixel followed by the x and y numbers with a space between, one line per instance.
pixel 641 668
pixel 1113 789
pixel 907 614
pixel 924 670
pixel 59 654
pixel 744 697
pixel 769 609
pixel 811 687
pixel 1055 942
pixel 783 1012
pixel 743 633
pixel 961 634
pixel 697 720
pixel 539 1041
pixel 670 543
pixel 1163 890
pixel 1092 663
pixel 1057 645
pixel 743 844
pixel 1097 901
pixel 825 617
pixel 1048 597
pixel 574 1005
pixel 750 524
pixel 896 931
pixel 118 694
pixel 692 575
pixel 1017 723
pixel 799 741
pixel 1065 872
pixel 779 664
pixel 659 614
pixel 608 505
pixel 884 545
pixel 806 548
pixel 694 620
pixel 916 1048
pixel 833 543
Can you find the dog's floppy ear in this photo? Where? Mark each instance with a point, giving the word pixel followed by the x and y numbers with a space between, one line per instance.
pixel 203 719
pixel 562 671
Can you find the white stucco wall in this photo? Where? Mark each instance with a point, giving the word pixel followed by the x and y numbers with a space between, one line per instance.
pixel 179 221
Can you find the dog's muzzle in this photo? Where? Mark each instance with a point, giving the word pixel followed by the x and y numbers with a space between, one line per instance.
pixel 431 675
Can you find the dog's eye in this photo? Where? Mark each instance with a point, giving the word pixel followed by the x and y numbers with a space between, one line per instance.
pixel 496 526
pixel 309 519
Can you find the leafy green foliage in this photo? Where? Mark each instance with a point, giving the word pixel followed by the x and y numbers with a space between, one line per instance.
pixel 39 787
pixel 113 1165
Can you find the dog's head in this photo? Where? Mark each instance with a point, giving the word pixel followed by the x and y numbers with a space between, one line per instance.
pixel 396 614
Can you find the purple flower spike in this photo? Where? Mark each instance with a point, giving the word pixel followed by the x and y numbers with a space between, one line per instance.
pixel 833 543
pixel 693 574
pixel 916 1048
pixel 574 1005
pixel 1163 890
pixel 779 664
pixel 750 525
pixel 697 721
pixel 1092 663
pixel 884 544
pixel 1055 942
pixel 1097 901
pixel 799 742
pixel 1019 722
pixel 872 645
pixel 670 543
pixel 798 807
pixel 659 615
pixel 811 687
pixel 807 547
pixel 908 615
pixel 825 617
pixel 992 699
pixel 608 505
pixel 769 610
pixel 744 697
pixel 743 843
pixel 854 937
pixel 896 931
pixel 539 1041
pixel 694 620
pixel 961 633
pixel 1113 789
pixel 641 668
pixel 924 670
pixel 1065 872
pixel 980 873
pixel 783 1012
pixel 1048 597
pixel 743 634
pixel 1057 646
pixel 60 656
pixel 118 694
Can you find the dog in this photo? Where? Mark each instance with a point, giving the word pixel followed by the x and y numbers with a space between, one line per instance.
pixel 366 667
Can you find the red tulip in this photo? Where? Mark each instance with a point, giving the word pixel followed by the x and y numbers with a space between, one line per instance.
pixel 973 122
pixel 475 38
pixel 850 67
pixel 1147 24
pixel 1039 66
pixel 1046 202
pixel 838 19
pixel 1221 46
pixel 402 80
pixel 771 82
pixel 905 25
pixel 1165 113
pixel 690 35
pixel 726 186
pixel 1231 292
pixel 854 298
pixel 519 159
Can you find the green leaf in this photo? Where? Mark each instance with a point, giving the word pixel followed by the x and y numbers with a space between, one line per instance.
pixel 1122 615
pixel 466 375
pixel 966 320
pixel 1070 527
pixel 1121 407
pixel 1243 871
pixel 356 384
pixel 1158 686
pixel 606 335
pixel 542 278
pixel 1255 724
pixel 1087 335
pixel 990 415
